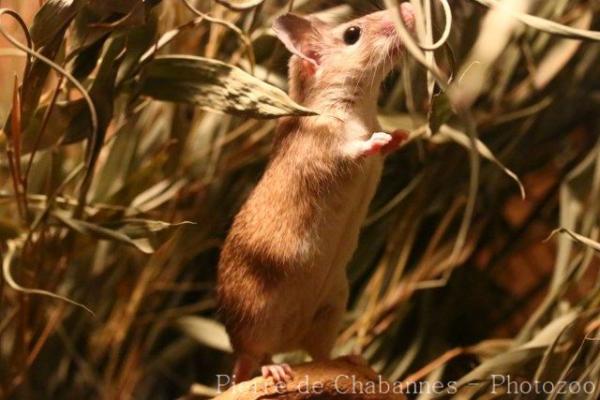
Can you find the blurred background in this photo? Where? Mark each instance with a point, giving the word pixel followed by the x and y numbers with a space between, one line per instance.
pixel 111 220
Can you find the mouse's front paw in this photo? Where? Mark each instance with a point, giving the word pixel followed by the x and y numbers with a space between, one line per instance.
pixel 399 137
pixel 376 143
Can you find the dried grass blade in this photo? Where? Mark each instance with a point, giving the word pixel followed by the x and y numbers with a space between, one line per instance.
pixel 447 132
pixel 543 24
pixel 6 262
pixel 578 238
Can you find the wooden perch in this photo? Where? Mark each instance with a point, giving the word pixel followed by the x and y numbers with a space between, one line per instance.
pixel 342 378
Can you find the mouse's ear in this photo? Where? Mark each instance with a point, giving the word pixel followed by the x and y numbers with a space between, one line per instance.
pixel 297 33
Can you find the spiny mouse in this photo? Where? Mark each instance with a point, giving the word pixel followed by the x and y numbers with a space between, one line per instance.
pixel 282 282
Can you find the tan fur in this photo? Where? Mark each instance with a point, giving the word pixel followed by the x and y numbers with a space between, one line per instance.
pixel 282 282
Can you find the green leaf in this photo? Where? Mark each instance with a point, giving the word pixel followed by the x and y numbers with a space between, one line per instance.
pixel 440 111
pixel 214 85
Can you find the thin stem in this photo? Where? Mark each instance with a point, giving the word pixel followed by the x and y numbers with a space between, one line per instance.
pixel 231 26
pixel 40 134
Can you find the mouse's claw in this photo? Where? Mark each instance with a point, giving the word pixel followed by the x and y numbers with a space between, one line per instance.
pixel 281 373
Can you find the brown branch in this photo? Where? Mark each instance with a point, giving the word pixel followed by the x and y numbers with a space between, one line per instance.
pixel 343 378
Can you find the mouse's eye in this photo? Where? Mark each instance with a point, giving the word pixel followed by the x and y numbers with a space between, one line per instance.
pixel 352 35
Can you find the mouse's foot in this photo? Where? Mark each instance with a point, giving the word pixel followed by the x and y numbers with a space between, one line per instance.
pixel 279 372
pixel 244 367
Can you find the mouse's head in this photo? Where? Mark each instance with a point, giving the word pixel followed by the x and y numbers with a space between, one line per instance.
pixel 341 64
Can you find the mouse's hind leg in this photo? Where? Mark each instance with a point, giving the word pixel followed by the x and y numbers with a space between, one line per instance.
pixel 320 340
pixel 244 368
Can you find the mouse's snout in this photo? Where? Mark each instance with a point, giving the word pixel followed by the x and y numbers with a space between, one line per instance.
pixel 407 13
